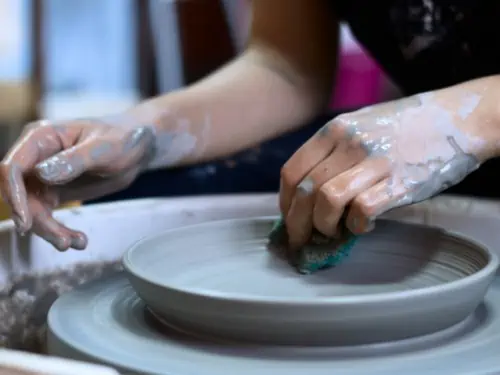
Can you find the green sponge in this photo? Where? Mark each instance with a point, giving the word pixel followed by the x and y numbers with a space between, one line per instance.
pixel 320 252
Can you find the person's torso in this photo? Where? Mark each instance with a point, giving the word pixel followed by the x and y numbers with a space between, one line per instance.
pixel 427 44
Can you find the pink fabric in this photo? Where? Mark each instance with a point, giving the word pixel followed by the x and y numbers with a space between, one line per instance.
pixel 358 81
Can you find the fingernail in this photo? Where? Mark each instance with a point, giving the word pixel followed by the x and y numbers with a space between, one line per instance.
pixel 306 187
pixel 60 243
pixel 63 244
pixel 19 223
pixel 79 241
pixel 54 169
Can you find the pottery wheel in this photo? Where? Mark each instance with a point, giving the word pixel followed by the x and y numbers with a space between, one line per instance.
pixel 105 321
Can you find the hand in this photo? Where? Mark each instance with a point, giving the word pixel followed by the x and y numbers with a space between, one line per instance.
pixel 52 163
pixel 373 160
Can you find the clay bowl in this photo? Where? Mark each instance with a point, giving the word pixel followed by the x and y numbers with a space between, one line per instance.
pixel 219 280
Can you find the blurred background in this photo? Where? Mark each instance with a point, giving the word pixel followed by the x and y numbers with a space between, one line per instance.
pixel 65 59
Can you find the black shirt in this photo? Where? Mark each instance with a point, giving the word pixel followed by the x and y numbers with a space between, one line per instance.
pixel 427 44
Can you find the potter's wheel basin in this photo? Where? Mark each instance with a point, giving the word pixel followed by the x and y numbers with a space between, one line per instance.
pixel 219 280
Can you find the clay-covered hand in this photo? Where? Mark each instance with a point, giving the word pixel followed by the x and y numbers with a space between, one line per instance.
pixel 52 163
pixel 385 156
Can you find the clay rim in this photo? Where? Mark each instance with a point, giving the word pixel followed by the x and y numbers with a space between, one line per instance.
pixel 477 277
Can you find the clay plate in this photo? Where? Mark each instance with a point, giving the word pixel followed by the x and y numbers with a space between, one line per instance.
pixel 219 279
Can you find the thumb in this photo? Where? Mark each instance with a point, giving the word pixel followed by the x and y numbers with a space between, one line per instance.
pixel 69 164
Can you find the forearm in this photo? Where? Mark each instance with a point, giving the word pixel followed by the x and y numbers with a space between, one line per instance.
pixel 243 104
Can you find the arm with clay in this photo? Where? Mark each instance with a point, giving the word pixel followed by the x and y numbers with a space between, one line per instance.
pixel 367 162
pixel 282 79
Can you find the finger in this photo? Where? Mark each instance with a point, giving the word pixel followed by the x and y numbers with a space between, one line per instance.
pixel 95 187
pixel 373 202
pixel 42 199
pixel 45 226
pixel 14 194
pixel 315 150
pixel 73 162
pixel 337 193
pixel 98 155
pixel 39 191
pixel 299 222
pixel 36 143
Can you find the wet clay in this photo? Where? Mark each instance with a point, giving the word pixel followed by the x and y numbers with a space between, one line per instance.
pixel 25 302
pixel 83 159
pixel 364 163
pixel 424 159
pixel 77 160
pixel 177 138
